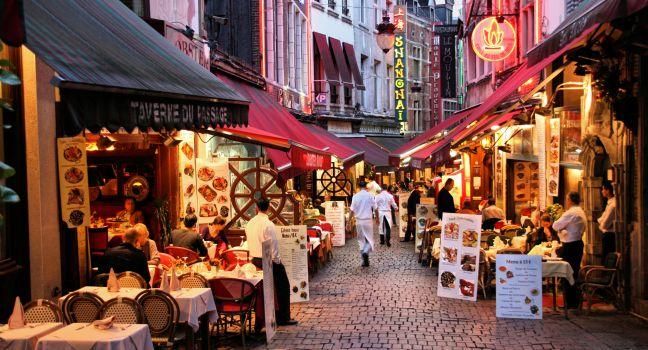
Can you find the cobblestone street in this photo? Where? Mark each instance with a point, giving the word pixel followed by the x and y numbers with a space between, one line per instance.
pixel 393 305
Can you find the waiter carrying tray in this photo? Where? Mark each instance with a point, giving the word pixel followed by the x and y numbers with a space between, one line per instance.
pixel 363 205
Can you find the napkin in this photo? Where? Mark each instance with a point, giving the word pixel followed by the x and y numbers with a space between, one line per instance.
pixel 17 318
pixel 164 283
pixel 113 284
pixel 175 282
pixel 104 324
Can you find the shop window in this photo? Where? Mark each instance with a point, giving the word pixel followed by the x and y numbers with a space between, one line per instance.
pixel 348 98
pixel 136 6
pixel 334 94
pixel 570 133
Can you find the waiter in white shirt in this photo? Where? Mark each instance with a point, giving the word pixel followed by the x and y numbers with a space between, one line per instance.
pixel 571 227
pixel 363 205
pixel 606 221
pixel 384 203
pixel 258 230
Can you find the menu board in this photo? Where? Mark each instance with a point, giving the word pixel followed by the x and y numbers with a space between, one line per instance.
pixel 519 286
pixel 268 287
pixel 294 256
pixel 213 189
pixel 553 161
pixel 425 215
pixel 335 215
pixel 73 181
pixel 187 164
pixel 525 181
pixel 459 257
pixel 542 160
pixel 402 219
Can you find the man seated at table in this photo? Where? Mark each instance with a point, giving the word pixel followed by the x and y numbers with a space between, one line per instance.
pixel 491 214
pixel 187 237
pixel 147 245
pixel 127 257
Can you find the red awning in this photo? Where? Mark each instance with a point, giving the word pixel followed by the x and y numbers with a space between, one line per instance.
pixel 485 124
pixel 349 52
pixel 250 134
pixel 324 51
pixel 340 61
pixel 349 156
pixel 373 153
pixel 419 157
pixel 271 118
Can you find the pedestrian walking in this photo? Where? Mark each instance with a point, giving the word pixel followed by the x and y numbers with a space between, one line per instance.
pixel 363 206
pixel 385 203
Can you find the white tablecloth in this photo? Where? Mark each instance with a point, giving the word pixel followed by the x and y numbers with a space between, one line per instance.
pixel 81 336
pixel 25 338
pixel 213 274
pixel 193 302
pixel 560 269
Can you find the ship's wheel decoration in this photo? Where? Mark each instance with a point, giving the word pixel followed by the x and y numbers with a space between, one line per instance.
pixel 334 182
pixel 250 185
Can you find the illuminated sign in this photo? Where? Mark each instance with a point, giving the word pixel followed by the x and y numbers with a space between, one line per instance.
pixel 492 40
pixel 400 63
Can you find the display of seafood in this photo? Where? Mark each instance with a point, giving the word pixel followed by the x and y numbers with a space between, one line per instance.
pixel 220 183
pixel 448 279
pixel 75 196
pixel 451 231
pixel 449 255
pixel 187 150
pixel 72 154
pixel 469 238
pixel 206 173
pixel 207 192
pixel 189 170
pixel 467 288
pixel 189 191
pixel 74 175
pixel 207 210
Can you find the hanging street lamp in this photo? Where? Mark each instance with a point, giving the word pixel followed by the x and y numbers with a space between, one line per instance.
pixel 385 37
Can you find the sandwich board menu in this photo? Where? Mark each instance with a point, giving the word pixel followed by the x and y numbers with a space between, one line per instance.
pixel 268 296
pixel 402 219
pixel 425 215
pixel 459 256
pixel 294 257
pixel 335 215
pixel 519 286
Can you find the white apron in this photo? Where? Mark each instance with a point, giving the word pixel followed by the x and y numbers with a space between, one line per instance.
pixel 364 230
pixel 386 215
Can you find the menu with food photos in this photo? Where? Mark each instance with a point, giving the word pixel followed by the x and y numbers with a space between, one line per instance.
pixel 401 214
pixel 553 160
pixel 293 250
pixel 187 164
pixel 426 215
pixel 459 256
pixel 73 181
pixel 213 187
pixel 335 215
pixel 519 286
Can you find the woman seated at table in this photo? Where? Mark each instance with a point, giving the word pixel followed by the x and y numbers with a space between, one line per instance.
pixel 215 233
pixel 147 245
pixel 544 233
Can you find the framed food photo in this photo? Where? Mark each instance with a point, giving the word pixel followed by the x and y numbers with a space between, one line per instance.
pixel 73 181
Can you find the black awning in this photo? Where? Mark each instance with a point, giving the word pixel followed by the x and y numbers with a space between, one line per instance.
pixel 101 49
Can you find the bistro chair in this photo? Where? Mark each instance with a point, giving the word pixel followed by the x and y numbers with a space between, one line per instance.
pixel 98 242
pixel 193 280
pixel 125 310
pixel 233 297
pixel 188 255
pixel 484 277
pixel 100 280
pixel 162 314
pixel 166 260
pixel 42 311
pixel 236 256
pixel 595 278
pixel 81 307
pixel 130 279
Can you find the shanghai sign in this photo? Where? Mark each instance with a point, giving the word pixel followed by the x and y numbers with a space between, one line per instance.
pixel 492 40
pixel 400 64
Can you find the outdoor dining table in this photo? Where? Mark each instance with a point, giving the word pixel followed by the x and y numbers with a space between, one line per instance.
pixel 25 338
pixel 84 336
pixel 193 302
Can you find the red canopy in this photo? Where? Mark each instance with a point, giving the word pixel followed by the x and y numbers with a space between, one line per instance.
pixel 254 135
pixel 485 124
pixel 373 153
pixel 349 156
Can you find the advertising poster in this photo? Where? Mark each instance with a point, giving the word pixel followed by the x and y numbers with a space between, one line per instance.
pixel 519 286
pixel 73 181
pixel 213 190
pixel 425 216
pixel 335 215
pixel 294 256
pixel 553 161
pixel 459 257
pixel 268 295
pixel 187 164
pixel 401 214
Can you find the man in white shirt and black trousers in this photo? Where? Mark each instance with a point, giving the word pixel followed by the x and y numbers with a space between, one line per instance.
pixel 571 226
pixel 607 219
pixel 363 206
pixel 258 230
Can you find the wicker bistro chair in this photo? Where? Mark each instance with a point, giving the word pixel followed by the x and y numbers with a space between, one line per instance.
pixel 125 310
pixel 129 279
pixel 81 307
pixel 193 280
pixel 595 278
pixel 233 297
pixel 162 314
pixel 42 311
pixel 183 253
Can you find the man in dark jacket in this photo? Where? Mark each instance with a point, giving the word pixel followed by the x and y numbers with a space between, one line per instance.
pixel 188 237
pixel 127 257
pixel 413 200
pixel 445 201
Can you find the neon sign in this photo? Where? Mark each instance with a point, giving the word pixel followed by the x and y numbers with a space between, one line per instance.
pixel 492 40
pixel 400 64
